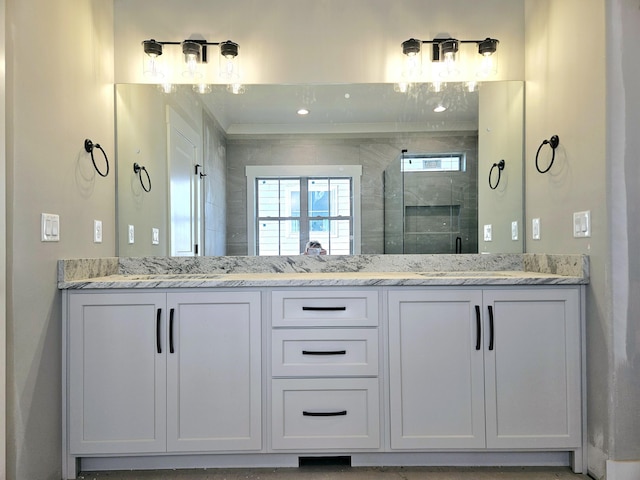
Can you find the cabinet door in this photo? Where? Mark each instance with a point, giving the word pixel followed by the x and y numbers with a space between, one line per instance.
pixel 117 373
pixel 436 369
pixel 214 371
pixel 533 368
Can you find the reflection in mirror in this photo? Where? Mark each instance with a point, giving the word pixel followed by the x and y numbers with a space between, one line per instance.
pixel 198 148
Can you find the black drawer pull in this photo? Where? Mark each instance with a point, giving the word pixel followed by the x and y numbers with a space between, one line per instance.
pixel 171 313
pixel 323 352
pixel 478 327
pixel 490 327
pixel 158 337
pixel 324 309
pixel 325 414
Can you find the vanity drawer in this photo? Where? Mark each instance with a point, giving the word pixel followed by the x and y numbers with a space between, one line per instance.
pixel 324 352
pixel 325 414
pixel 313 307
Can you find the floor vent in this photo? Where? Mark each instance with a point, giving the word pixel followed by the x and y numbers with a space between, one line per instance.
pixel 342 461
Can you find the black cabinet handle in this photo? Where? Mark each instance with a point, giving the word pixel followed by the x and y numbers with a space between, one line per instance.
pixel 324 309
pixel 324 414
pixel 478 328
pixel 322 352
pixel 171 314
pixel 490 327
pixel 158 336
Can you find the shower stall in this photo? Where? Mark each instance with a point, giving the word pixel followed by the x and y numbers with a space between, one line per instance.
pixel 430 205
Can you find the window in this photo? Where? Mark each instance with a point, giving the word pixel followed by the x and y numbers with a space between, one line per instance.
pixel 447 162
pixel 285 211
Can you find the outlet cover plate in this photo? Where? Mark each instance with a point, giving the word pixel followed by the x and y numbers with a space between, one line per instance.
pixel 535 229
pixel 514 230
pixel 155 236
pixel 487 233
pixel 132 234
pixel 97 231
pixel 582 224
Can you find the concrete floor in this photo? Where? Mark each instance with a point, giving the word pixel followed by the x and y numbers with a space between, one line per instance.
pixel 346 473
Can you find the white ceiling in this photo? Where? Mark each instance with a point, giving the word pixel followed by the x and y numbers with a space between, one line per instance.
pixel 345 108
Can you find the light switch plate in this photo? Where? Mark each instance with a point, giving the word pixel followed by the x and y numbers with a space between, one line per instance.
pixel 487 233
pixel 97 231
pixel 132 234
pixel 535 229
pixel 50 227
pixel 582 224
pixel 514 230
pixel 155 236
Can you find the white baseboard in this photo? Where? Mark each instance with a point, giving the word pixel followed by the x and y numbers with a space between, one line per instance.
pixel 623 470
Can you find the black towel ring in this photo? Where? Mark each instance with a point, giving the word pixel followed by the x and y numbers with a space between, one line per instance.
pixel 89 146
pixel 553 142
pixel 500 166
pixel 138 169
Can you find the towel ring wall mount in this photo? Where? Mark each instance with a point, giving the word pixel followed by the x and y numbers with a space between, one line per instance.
pixel 500 166
pixel 138 169
pixel 553 142
pixel 89 146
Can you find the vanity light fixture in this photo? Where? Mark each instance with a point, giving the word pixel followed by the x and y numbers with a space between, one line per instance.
pixel 195 52
pixel 444 57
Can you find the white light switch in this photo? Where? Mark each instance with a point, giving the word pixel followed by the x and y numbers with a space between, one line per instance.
pixel 97 231
pixel 514 230
pixel 535 228
pixel 155 236
pixel 50 227
pixel 582 224
pixel 487 233
pixel 132 234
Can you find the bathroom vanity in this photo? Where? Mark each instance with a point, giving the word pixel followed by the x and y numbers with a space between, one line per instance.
pixel 388 360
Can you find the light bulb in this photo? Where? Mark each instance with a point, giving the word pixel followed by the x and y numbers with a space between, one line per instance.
pixel 487 66
pixel 471 86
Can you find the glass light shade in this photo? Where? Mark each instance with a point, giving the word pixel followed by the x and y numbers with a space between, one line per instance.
pixel 152 65
pixel 449 58
pixel 191 51
pixel 167 88
pixel 229 67
pixel 487 65
pixel 202 88
pixel 236 88
pixel 487 58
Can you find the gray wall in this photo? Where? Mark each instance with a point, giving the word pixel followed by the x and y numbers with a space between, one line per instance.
pixel 374 154
pixel 566 96
pixel 59 92
pixel 623 185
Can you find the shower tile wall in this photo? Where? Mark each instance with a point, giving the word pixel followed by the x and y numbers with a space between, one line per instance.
pixel 373 154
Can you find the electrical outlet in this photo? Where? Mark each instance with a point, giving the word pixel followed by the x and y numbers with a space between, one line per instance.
pixel 50 227
pixel 487 233
pixel 514 230
pixel 132 235
pixel 97 231
pixel 535 229
pixel 155 236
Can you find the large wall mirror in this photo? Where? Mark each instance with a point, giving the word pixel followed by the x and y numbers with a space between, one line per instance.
pixel 423 180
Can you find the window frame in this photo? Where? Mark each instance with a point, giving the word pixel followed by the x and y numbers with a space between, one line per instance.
pixel 297 171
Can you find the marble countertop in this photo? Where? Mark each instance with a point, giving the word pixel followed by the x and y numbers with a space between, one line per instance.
pixel 362 270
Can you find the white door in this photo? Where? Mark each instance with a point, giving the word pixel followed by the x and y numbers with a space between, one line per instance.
pixel 436 369
pixel 117 373
pixel 532 358
pixel 214 367
pixel 185 196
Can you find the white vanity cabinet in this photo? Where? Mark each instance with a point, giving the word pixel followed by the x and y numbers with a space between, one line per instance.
pixel 164 372
pixel 116 373
pixel 325 366
pixel 485 368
